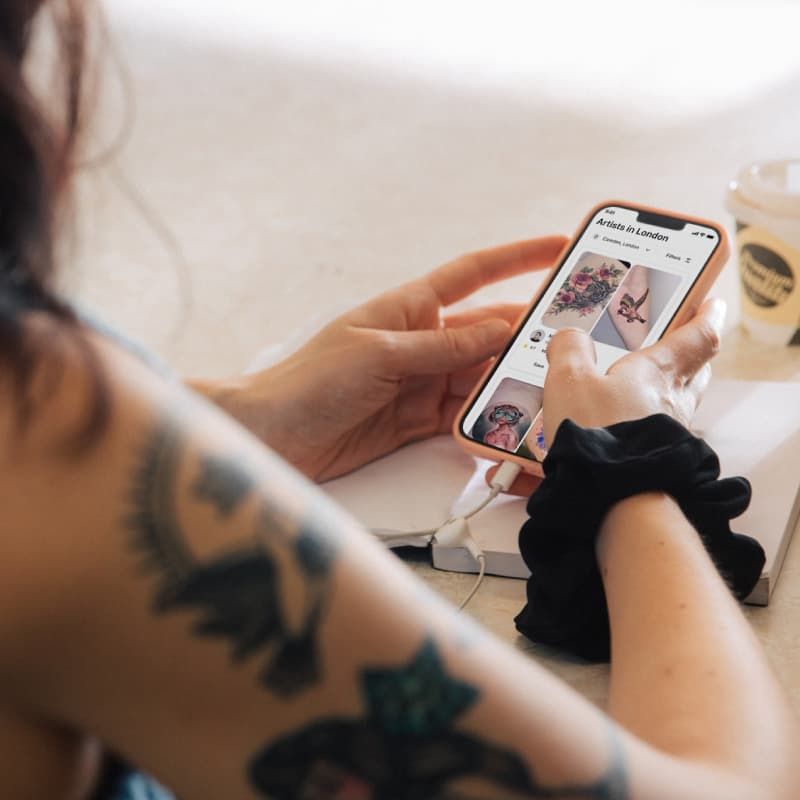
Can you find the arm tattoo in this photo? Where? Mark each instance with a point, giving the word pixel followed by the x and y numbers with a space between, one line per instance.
pixel 223 484
pixel 405 747
pixel 237 595
pixel 405 743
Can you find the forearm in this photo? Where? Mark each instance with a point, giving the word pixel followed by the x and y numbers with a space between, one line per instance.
pixel 688 675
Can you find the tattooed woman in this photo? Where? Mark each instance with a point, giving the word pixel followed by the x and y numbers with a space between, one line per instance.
pixel 175 594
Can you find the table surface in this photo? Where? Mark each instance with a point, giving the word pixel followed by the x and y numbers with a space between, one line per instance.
pixel 288 160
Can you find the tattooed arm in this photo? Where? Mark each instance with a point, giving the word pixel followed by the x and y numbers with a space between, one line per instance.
pixel 180 593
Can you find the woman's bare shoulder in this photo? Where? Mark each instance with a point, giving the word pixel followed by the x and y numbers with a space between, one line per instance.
pixel 54 390
pixel 68 436
pixel 92 425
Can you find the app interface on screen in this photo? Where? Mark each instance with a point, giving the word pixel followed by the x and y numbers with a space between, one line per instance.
pixel 622 283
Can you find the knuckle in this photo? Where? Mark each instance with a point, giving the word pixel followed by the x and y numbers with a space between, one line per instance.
pixel 656 364
pixel 570 371
pixel 658 358
pixel 568 356
pixel 710 338
pixel 387 348
pixel 576 370
pixel 420 294
pixel 453 341
pixel 670 403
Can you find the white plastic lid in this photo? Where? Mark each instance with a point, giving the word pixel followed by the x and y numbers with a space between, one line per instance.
pixel 773 187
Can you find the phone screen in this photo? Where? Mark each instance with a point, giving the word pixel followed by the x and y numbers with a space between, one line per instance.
pixel 622 282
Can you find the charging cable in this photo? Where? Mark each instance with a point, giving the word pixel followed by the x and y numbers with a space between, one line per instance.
pixel 455 531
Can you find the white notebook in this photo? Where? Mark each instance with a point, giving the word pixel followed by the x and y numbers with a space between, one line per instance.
pixel 753 426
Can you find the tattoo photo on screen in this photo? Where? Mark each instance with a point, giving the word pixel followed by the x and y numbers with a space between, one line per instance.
pixel 636 307
pixel 507 416
pixel 586 292
pixel 533 446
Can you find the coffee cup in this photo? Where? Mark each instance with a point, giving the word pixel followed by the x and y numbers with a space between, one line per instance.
pixel 765 202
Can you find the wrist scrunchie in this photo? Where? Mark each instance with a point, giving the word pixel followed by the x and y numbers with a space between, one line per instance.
pixel 587 471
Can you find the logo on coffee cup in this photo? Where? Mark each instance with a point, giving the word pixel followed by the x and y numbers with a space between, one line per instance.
pixel 767 279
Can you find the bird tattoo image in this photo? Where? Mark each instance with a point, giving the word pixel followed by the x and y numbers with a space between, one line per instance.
pixel 629 308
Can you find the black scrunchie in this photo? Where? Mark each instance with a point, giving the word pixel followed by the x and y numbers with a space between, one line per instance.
pixel 587 471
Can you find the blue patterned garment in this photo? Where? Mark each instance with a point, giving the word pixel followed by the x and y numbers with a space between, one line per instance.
pixel 139 787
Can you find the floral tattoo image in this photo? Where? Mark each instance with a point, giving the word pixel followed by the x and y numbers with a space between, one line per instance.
pixel 586 292
pixel 587 289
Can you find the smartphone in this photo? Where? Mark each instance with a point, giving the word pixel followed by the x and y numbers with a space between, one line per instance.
pixel 629 275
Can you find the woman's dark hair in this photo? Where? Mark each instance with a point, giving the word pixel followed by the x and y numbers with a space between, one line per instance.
pixel 37 153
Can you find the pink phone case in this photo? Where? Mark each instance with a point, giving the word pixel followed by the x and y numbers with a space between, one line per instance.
pixel 685 312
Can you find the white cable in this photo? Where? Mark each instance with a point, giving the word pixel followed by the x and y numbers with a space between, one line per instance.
pixel 477 585
pixel 505 475
pixel 501 482
pixel 485 502
pixel 455 531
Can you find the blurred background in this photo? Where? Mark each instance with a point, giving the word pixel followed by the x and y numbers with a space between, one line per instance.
pixel 277 162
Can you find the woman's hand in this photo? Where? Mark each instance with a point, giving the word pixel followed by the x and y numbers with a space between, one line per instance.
pixel 668 377
pixel 389 372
